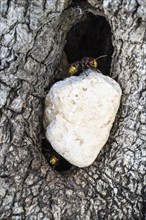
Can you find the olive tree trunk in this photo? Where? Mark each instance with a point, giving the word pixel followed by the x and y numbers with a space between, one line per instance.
pixel 33 36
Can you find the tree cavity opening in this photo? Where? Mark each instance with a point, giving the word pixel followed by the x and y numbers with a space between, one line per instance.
pixel 90 38
pixel 56 161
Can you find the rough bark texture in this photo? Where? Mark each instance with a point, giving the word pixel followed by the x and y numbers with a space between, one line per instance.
pixel 33 35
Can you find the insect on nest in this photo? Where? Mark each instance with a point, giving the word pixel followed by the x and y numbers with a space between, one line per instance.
pixel 80 66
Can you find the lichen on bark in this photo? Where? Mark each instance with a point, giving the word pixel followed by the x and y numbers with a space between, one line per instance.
pixel 33 36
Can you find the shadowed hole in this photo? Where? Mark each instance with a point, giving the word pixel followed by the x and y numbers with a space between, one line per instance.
pixel 88 38
pixel 59 163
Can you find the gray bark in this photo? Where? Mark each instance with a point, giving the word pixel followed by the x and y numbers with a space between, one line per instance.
pixel 33 35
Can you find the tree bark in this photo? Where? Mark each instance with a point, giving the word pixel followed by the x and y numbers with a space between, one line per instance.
pixel 33 36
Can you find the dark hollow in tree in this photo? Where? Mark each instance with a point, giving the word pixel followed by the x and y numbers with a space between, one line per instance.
pixel 88 38
pixel 61 165
pixel 91 38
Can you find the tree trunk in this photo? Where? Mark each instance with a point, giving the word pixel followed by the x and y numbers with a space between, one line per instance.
pixel 33 36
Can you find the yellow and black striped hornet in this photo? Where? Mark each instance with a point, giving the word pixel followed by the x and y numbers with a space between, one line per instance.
pixel 80 66
pixel 52 158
